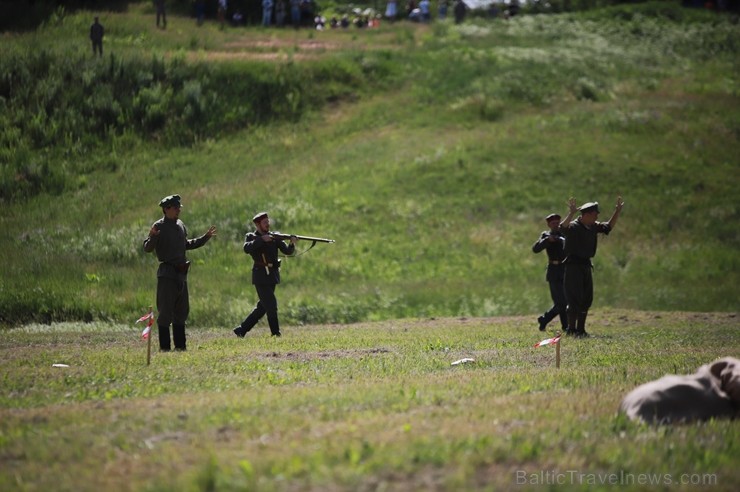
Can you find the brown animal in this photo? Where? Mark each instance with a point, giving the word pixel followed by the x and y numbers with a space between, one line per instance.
pixel 713 391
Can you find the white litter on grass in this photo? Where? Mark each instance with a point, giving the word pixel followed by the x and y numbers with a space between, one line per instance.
pixel 59 365
pixel 462 361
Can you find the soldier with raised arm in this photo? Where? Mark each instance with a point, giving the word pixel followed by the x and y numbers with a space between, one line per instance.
pixel 580 246
pixel 169 238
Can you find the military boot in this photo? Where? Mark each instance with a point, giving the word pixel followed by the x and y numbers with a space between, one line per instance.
pixel 572 318
pixel 178 334
pixel 272 320
pixel 164 338
pixel 564 321
pixel 546 318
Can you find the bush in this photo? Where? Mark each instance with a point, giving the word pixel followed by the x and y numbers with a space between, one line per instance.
pixel 76 104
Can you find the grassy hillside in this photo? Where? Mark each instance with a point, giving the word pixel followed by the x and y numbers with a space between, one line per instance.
pixel 369 406
pixel 432 164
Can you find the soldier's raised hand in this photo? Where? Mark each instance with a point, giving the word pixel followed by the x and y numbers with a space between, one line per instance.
pixel 211 231
pixel 572 205
pixel 153 231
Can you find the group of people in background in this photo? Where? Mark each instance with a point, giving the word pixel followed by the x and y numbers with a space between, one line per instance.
pixel 297 13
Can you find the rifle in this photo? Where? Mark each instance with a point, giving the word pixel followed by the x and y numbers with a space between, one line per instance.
pixel 314 240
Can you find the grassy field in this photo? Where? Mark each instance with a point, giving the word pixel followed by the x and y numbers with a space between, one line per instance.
pixel 369 406
pixel 432 171
pixel 431 154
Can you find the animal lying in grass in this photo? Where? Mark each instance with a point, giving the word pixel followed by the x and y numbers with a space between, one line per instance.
pixel 713 391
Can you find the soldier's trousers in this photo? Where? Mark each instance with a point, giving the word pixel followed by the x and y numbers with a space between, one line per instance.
pixel 173 305
pixel 267 304
pixel 557 293
pixel 579 288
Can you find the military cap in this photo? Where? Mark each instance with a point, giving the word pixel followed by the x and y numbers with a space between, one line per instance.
pixel 259 217
pixel 589 207
pixel 170 201
pixel 551 217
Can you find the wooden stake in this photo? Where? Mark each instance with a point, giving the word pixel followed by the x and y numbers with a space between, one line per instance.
pixel 557 354
pixel 149 341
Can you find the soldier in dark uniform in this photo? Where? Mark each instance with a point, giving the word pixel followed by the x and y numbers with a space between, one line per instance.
pixel 580 246
pixel 263 249
pixel 554 243
pixel 161 13
pixel 169 238
pixel 96 36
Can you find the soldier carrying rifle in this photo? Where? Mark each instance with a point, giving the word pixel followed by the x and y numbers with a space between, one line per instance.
pixel 554 244
pixel 263 246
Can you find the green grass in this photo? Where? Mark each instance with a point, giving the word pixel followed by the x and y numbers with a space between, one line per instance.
pixel 434 181
pixel 433 175
pixel 354 407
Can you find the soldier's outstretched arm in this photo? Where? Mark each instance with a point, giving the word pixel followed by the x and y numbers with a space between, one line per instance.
pixel 617 210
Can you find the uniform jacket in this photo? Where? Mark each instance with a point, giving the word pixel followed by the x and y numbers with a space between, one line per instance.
pixel 96 32
pixel 170 246
pixel 555 254
pixel 581 241
pixel 266 268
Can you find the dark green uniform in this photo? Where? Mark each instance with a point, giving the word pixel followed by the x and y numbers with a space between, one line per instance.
pixel 173 304
pixel 555 274
pixel 265 276
pixel 580 247
pixel 96 36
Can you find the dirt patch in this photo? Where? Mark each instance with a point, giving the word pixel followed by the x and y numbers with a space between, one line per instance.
pixel 276 44
pixel 326 354
pixel 247 55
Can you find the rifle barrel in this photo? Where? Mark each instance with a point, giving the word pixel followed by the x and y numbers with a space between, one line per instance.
pixel 281 235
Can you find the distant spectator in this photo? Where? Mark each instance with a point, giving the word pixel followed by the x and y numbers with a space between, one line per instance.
pixel 345 21
pixel 307 12
pixel 460 10
pixel 238 18
pixel 161 14
pixel 266 13
pixel 494 10
pixel 295 13
pixel 442 9
pixel 513 7
pixel 424 8
pixel 280 10
pixel 415 15
pixel 222 7
pixel 200 11
pixel 319 23
pixel 391 9
pixel 410 7
pixel 96 36
pixel 334 23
